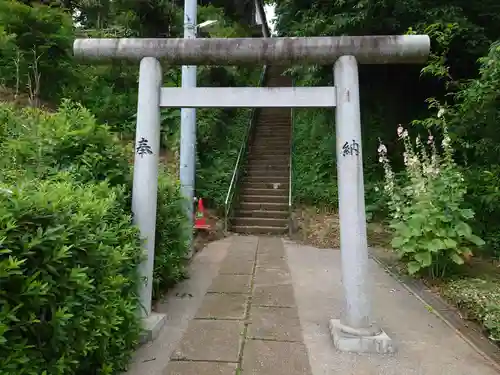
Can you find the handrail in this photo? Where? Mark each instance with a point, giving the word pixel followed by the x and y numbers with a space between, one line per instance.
pixel 239 161
pixel 290 165
pixel 253 117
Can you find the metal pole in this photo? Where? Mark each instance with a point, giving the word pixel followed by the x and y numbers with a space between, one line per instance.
pixel 188 125
pixel 145 185
pixel 353 241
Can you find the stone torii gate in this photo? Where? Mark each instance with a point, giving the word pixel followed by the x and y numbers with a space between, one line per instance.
pixel 354 331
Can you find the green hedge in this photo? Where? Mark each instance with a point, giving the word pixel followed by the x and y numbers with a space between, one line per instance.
pixel 40 144
pixel 68 276
pixel 171 244
pixel 68 250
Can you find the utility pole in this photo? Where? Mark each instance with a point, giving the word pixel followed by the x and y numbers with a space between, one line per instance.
pixel 188 124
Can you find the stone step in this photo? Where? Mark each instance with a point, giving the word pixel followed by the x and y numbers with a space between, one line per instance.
pixel 269 151
pixel 269 131
pixel 271 146
pixel 273 126
pixel 277 158
pixel 270 124
pixel 258 230
pixel 262 213
pixel 260 222
pixel 263 144
pixel 281 162
pixel 283 115
pixel 253 191
pixel 280 158
pixel 265 179
pixel 273 131
pixel 265 168
pixel 272 136
pixel 274 140
pixel 267 165
pixel 275 119
pixel 263 206
pixel 250 183
pixel 265 198
pixel 261 173
pixel 274 158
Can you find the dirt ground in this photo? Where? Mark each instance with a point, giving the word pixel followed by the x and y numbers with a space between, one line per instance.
pixel 320 228
pixel 216 231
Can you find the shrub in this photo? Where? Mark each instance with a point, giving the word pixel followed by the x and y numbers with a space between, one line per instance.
pixel 474 121
pixel 44 143
pixel 429 222
pixel 68 279
pixel 109 92
pixel 171 244
pixel 314 171
pixel 484 196
pixel 480 299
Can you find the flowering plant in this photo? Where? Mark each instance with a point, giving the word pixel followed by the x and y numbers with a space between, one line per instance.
pixel 429 223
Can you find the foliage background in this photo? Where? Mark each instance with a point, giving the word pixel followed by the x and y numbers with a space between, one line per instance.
pixel 68 251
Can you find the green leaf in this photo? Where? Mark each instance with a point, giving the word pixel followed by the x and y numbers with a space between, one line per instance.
pixel 467 213
pixel 413 267
pixel 436 244
pixel 424 258
pixel 463 229
pixel 398 241
pixel 456 258
pixel 476 240
pixel 449 243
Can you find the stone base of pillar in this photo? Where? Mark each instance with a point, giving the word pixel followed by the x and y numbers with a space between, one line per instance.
pixel 379 343
pixel 151 327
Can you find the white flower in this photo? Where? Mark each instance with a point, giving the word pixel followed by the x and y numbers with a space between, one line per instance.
pixel 400 130
pixel 446 141
pixel 441 112
pixel 382 149
pixel 430 139
pixel 405 134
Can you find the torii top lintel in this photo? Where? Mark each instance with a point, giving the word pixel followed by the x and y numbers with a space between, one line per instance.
pixel 385 49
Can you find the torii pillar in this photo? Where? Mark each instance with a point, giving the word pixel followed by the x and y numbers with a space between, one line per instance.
pixel 354 331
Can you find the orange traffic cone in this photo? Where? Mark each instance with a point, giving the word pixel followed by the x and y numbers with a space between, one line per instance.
pixel 200 219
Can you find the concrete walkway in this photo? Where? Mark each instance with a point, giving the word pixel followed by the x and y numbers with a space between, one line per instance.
pixel 262 305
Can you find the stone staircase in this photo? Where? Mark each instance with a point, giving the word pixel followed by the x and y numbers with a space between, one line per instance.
pixel 263 198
